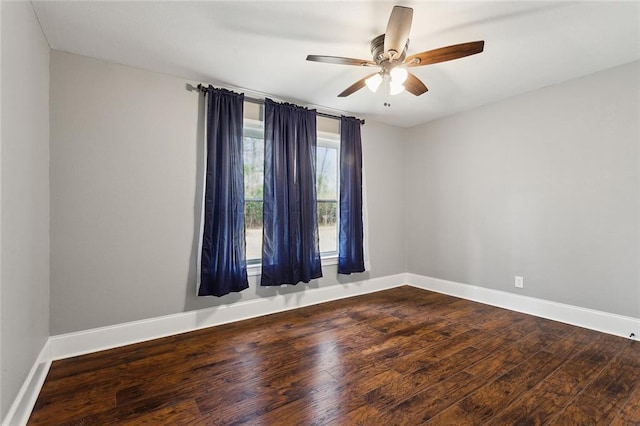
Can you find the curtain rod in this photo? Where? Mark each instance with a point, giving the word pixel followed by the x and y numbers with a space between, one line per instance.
pixel 203 89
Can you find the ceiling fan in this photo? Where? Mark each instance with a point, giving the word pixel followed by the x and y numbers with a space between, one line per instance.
pixel 389 52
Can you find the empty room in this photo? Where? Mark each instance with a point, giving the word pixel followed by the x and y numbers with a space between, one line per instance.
pixel 320 213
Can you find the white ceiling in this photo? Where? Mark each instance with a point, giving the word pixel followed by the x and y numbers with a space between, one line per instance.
pixel 261 46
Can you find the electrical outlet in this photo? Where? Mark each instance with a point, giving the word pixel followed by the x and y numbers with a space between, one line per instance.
pixel 519 282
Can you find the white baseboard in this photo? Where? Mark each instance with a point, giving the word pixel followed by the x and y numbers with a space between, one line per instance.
pixel 97 339
pixel 582 317
pixel 93 340
pixel 24 401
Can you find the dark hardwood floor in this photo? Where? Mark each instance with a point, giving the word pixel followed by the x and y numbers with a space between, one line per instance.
pixel 398 357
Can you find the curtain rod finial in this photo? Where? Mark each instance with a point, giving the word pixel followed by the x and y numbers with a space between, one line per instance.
pixel 192 88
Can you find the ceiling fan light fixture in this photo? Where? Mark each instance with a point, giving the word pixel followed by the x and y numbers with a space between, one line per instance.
pixel 373 82
pixel 389 53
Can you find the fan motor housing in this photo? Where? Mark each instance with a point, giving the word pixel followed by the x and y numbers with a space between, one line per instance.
pixel 377 50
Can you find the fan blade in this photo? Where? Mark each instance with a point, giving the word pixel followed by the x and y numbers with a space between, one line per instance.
pixel 355 86
pixel 398 29
pixel 340 60
pixel 444 54
pixel 414 86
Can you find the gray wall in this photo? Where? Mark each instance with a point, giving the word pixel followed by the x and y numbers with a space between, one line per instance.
pixel 543 185
pixel 24 247
pixel 124 170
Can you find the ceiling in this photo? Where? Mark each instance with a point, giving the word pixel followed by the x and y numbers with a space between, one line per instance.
pixel 261 46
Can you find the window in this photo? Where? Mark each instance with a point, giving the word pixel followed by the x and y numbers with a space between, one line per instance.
pixel 327 182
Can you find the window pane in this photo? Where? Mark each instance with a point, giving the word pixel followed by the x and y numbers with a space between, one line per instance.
pixel 327 225
pixel 327 173
pixel 327 190
pixel 253 182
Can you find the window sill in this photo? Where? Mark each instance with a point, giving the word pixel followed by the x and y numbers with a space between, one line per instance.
pixel 254 270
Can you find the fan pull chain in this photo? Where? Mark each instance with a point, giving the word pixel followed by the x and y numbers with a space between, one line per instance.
pixel 387 90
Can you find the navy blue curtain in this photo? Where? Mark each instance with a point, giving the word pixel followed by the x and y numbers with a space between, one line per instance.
pixel 290 247
pixel 351 235
pixel 223 263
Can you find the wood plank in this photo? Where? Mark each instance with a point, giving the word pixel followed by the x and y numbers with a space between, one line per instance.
pixel 540 404
pixel 630 413
pixel 394 392
pixel 601 401
pixel 426 404
pixel 181 413
pixel 496 396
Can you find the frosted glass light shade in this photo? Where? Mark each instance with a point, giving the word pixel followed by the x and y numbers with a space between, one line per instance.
pixel 395 88
pixel 398 75
pixel 373 82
